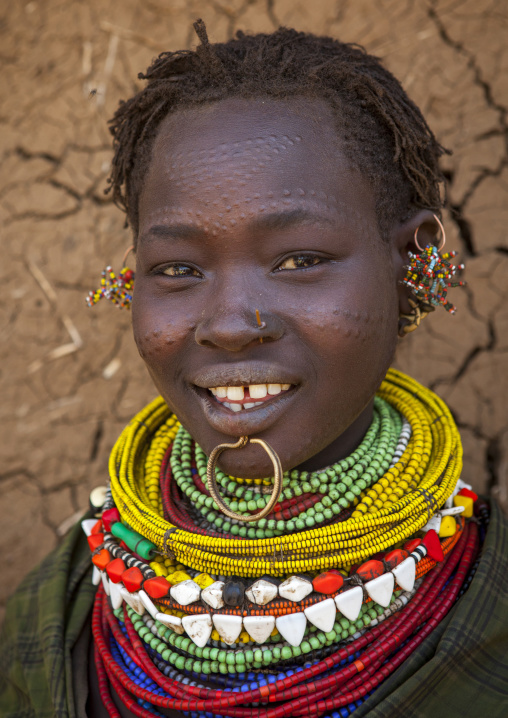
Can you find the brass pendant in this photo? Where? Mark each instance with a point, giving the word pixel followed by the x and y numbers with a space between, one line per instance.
pixel 211 481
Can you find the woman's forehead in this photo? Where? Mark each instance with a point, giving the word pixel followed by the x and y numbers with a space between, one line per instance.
pixel 256 153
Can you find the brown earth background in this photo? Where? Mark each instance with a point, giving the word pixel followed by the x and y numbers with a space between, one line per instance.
pixel 70 377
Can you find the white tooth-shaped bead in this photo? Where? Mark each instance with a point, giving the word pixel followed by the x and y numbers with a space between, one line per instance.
pixel 105 582
pixel 96 576
pixel 274 389
pixel 87 526
pixel 261 592
pixel 235 393
pixel 229 627
pixel 133 600
pixel 257 391
pixel 198 627
pixel 350 602
pixel 259 628
pixel 172 622
pixel 295 588
pixel 115 594
pixel 380 589
pixel 292 627
pixel 148 603
pixel 222 392
pixel 322 614
pixel 185 592
pixel 405 573
pixel 212 595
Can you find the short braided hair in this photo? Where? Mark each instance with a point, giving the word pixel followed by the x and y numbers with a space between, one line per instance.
pixel 383 132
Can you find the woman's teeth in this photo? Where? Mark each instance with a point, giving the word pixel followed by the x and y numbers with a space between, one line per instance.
pixel 237 397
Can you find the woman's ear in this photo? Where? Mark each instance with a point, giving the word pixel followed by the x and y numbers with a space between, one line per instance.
pixel 425 224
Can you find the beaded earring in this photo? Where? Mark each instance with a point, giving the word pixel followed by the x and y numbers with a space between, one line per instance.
pixel 428 275
pixel 118 289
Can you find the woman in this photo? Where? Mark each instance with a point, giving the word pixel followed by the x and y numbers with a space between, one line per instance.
pixel 277 187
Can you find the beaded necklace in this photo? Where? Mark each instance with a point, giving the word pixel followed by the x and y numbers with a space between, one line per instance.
pixel 204 613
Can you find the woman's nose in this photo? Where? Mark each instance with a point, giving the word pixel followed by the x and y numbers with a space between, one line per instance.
pixel 236 327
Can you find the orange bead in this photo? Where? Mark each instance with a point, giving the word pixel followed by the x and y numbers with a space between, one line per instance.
pixel 115 570
pixel 157 587
pixel 132 579
pixel 328 582
pixel 95 540
pixel 101 559
pixel 395 557
pixel 370 569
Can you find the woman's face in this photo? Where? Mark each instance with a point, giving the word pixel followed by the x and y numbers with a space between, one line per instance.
pixel 250 204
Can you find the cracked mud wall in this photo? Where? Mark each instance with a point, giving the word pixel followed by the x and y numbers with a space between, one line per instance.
pixel 70 378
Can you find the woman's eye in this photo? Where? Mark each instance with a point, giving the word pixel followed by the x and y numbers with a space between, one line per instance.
pixel 299 261
pixel 180 270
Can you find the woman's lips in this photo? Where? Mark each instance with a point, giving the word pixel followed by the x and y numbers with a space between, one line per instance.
pixel 244 421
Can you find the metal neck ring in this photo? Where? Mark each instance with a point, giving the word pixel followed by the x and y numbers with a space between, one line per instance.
pixel 211 481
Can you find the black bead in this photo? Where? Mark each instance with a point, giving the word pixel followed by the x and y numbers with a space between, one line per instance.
pixel 234 592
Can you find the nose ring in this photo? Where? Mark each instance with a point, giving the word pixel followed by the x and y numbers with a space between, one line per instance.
pixel 211 481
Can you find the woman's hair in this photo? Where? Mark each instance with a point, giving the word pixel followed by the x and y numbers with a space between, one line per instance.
pixel 383 133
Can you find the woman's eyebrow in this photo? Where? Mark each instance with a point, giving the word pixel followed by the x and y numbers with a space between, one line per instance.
pixel 173 231
pixel 263 222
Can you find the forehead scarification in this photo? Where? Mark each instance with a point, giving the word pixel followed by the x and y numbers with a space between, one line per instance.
pixel 245 152
pixel 223 167
pixel 230 163
pixel 229 213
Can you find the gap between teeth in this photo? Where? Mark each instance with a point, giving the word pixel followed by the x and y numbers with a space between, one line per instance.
pixel 256 391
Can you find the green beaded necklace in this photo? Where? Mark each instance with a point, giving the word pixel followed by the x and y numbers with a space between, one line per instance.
pixel 338 484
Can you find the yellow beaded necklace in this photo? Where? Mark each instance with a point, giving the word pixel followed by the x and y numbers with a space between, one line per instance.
pixel 393 509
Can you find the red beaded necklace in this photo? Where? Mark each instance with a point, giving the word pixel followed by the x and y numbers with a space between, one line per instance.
pixel 381 650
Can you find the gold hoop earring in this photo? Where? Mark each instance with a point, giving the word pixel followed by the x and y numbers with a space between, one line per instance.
pixel 443 235
pixel 211 481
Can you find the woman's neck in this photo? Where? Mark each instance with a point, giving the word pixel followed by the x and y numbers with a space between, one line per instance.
pixel 343 445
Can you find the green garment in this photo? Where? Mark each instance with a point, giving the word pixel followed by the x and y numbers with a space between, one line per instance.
pixel 42 623
pixel 461 669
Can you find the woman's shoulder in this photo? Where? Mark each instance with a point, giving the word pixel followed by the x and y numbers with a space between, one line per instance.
pixel 43 619
pixel 462 666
